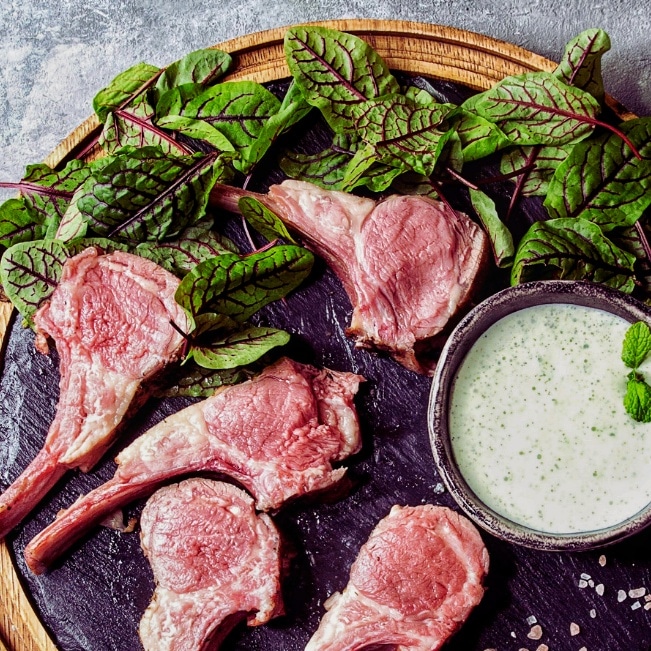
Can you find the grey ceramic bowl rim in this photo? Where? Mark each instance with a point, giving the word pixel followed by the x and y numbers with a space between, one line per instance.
pixel 458 344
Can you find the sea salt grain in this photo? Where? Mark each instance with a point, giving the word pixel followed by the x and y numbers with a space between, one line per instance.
pixel 637 593
pixel 575 629
pixel 531 620
pixel 636 605
pixel 621 595
pixel 593 613
pixel 535 633
pixel 583 584
pixel 542 647
pixel 602 560
pixel 600 589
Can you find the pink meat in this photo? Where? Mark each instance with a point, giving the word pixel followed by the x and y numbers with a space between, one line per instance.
pixel 276 435
pixel 110 320
pixel 215 563
pixel 413 584
pixel 408 263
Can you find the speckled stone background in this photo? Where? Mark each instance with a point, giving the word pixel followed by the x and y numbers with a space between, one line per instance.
pixel 55 54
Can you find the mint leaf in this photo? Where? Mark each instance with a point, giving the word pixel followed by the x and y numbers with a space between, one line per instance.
pixel 637 344
pixel 637 400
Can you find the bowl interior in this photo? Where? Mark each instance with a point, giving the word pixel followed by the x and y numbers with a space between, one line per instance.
pixel 459 343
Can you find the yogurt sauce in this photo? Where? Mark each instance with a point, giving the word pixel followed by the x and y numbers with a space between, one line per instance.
pixel 538 427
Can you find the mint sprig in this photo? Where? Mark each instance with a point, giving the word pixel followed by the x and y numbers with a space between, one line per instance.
pixel 636 348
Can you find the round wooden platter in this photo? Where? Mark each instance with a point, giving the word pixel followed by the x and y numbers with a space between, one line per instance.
pixel 436 51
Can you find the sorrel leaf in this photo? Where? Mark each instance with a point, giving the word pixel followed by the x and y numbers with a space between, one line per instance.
pixel 193 246
pixel 174 100
pixel 293 109
pixel 123 88
pixel 146 195
pixel 573 249
pixel 602 181
pixel 263 219
pixel 133 127
pixel 335 71
pixel 538 109
pixel 18 224
pixel 545 160
pixel 193 381
pixel 327 168
pixel 499 235
pixel 240 286
pixel 239 109
pixel 404 135
pixel 202 67
pixel 196 129
pixel 580 64
pixel 479 137
pixel 219 342
pixel 30 272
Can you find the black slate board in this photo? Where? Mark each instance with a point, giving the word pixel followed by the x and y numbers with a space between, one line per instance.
pixel 94 598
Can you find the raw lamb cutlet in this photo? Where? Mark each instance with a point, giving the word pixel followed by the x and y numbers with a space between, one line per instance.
pixel 413 584
pixel 409 264
pixel 215 563
pixel 110 318
pixel 276 435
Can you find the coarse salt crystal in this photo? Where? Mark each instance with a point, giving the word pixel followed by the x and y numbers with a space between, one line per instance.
pixel 602 560
pixel 585 576
pixel 647 605
pixel 575 629
pixel 637 593
pixel 636 605
pixel 542 647
pixel 531 620
pixel 593 613
pixel 591 583
pixel 621 595
pixel 439 489
pixel 513 634
pixel 583 648
pixel 600 589
pixel 535 633
pixel 583 583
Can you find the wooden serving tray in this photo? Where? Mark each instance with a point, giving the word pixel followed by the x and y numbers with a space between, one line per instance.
pixel 440 52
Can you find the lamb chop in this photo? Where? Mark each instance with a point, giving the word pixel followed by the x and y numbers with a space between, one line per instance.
pixel 110 318
pixel 276 435
pixel 215 563
pixel 413 584
pixel 409 264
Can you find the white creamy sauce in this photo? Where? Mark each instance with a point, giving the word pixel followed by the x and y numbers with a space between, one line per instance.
pixel 538 426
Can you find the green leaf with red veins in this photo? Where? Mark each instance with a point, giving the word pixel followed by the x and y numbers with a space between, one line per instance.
pixel 479 136
pixel 358 167
pixel 220 343
pixel 545 161
pixel 239 286
pixel 499 235
pixel 133 127
pixel 572 249
pixel 30 272
pixel 174 100
pixel 335 71
pixel 124 88
pixel 18 224
pixel 193 246
pixel 202 67
pixel 602 181
pixel 327 168
pixel 405 135
pixel 538 109
pixel 198 129
pixel 47 193
pixel 263 219
pixel 146 195
pixel 238 109
pixel 580 65
pixel 192 381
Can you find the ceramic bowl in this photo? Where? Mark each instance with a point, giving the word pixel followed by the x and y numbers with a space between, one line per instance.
pixel 459 343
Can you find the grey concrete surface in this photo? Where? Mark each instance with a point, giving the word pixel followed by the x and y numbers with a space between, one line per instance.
pixel 55 54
